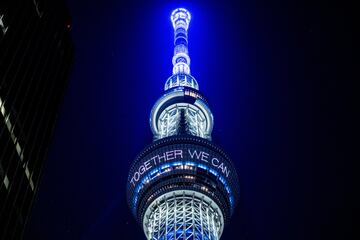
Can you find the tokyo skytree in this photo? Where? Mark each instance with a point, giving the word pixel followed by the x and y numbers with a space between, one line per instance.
pixel 182 185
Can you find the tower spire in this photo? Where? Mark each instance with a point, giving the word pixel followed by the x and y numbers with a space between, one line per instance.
pixel 180 19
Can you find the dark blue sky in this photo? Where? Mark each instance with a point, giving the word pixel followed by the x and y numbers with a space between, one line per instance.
pixel 271 72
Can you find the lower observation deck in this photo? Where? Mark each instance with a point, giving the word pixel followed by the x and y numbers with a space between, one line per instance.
pixel 182 163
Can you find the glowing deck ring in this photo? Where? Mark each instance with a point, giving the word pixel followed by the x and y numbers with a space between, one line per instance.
pixel 181 55
pixel 171 84
pixel 163 103
pixel 191 142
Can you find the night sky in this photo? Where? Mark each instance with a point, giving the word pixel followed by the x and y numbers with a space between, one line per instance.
pixel 274 75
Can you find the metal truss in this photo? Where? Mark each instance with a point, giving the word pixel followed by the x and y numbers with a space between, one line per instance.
pixel 196 123
pixel 183 215
pixel 169 121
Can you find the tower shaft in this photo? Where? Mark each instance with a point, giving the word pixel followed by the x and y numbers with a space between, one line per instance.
pixel 183 215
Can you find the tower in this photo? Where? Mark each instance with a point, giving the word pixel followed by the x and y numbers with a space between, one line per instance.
pixel 36 55
pixel 182 186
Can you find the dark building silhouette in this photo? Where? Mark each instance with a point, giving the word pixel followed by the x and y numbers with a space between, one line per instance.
pixel 35 58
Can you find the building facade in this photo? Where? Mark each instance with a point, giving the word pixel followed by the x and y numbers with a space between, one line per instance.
pixel 182 186
pixel 36 55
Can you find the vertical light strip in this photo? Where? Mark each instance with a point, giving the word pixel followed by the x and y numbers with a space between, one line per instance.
pixel 2 24
pixel 166 220
pixel 18 148
pixel 6 182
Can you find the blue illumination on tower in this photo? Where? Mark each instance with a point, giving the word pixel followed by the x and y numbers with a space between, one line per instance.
pixel 180 19
pixel 182 186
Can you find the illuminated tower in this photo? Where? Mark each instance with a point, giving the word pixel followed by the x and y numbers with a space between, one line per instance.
pixel 182 186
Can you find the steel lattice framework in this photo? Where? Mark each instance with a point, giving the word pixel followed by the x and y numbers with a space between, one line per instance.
pixel 182 186
pixel 194 117
pixel 183 215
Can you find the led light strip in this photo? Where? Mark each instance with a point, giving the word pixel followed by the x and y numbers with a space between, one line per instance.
pixel 18 148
